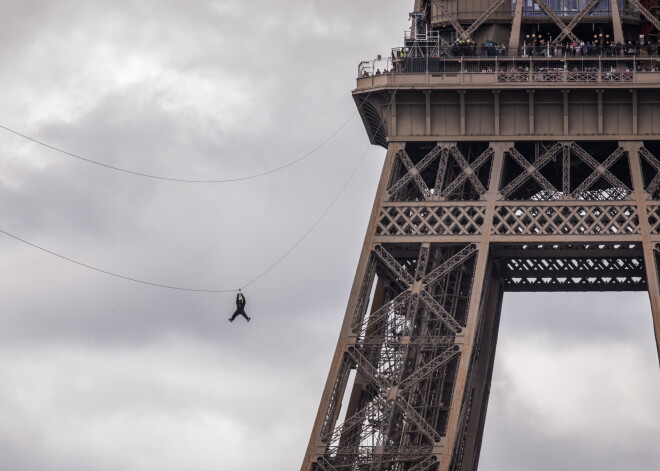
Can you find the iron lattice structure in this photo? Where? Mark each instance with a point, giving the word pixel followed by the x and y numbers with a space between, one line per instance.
pixel 499 177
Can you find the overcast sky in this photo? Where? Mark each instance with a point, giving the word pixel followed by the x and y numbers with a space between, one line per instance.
pixel 98 373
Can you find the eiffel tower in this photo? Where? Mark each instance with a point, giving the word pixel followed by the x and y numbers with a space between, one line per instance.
pixel 523 154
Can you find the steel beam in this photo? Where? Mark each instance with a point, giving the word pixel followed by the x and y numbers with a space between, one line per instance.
pixel 558 21
pixel 588 8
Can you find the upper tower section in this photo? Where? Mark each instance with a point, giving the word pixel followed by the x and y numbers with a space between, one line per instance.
pixel 512 69
pixel 509 22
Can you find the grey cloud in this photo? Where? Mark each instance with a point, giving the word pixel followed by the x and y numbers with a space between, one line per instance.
pixel 130 377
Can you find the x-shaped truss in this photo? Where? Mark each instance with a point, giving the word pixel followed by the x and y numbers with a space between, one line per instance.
pixel 600 170
pixel 406 281
pixel 588 8
pixel 370 372
pixel 647 14
pixel 414 171
pixel 650 158
pixel 385 401
pixel 532 170
pixel 469 171
pixel 466 33
pixel 556 20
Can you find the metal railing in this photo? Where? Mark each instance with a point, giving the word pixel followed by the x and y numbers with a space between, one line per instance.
pixel 514 70
pixel 434 48
pixel 515 64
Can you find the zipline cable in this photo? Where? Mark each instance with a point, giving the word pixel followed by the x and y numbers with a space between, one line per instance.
pixel 123 277
pixel 198 290
pixel 179 288
pixel 183 180
pixel 318 221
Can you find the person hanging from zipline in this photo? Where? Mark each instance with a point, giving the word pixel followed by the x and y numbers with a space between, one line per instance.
pixel 240 307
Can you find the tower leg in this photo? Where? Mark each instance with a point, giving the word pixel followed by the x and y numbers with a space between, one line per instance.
pixel 338 376
pixel 650 258
pixel 483 373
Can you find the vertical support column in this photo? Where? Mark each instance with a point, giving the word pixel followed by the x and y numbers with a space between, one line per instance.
pixel 634 111
pixel 315 446
pixel 497 111
pixel 514 39
pixel 530 93
pixel 461 95
pixel 427 97
pixel 600 111
pixel 565 95
pixel 616 22
pixel 483 373
pixel 566 172
pixel 393 127
pixel 467 340
pixel 632 147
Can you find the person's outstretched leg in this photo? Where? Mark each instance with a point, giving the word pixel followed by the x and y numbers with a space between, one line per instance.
pixel 236 313
pixel 241 310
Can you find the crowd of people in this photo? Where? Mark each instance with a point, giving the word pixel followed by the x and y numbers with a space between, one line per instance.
pixel 416 59
pixel 597 47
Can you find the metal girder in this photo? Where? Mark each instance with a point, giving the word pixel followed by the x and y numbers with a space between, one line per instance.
pixel 440 312
pixel 414 171
pixel 442 171
pixel 573 284
pixel 593 163
pixel 454 22
pixel 531 170
pixel 427 369
pixel 450 264
pixel 647 14
pixel 367 369
pixel 469 171
pixel 551 14
pixel 485 15
pixel 655 163
pixel 588 8
pixel 419 421
pixel 466 33
pixel 401 301
pixel 424 464
pixel 325 465
pixel 402 275
pixel 337 395
pixel 351 422
pixel 601 170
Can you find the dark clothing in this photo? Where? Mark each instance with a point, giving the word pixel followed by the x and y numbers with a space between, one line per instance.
pixel 241 311
pixel 240 308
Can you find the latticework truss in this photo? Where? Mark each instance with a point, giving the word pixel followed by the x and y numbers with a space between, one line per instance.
pixel 488 186
pixel 456 226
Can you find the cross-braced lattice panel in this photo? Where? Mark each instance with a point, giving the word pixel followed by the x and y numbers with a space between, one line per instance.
pixel 466 172
pixel 424 172
pixel 405 361
pixel 430 220
pixel 571 267
pixel 656 251
pixel 547 171
pixel 654 218
pixel 650 163
pixel 566 220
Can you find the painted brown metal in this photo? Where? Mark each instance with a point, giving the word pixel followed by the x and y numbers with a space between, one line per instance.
pixel 495 180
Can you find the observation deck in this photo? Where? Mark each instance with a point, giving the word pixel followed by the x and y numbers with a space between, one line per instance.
pixel 508 98
pixel 517 72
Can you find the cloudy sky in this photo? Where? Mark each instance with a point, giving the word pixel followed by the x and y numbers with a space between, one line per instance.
pixel 104 374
